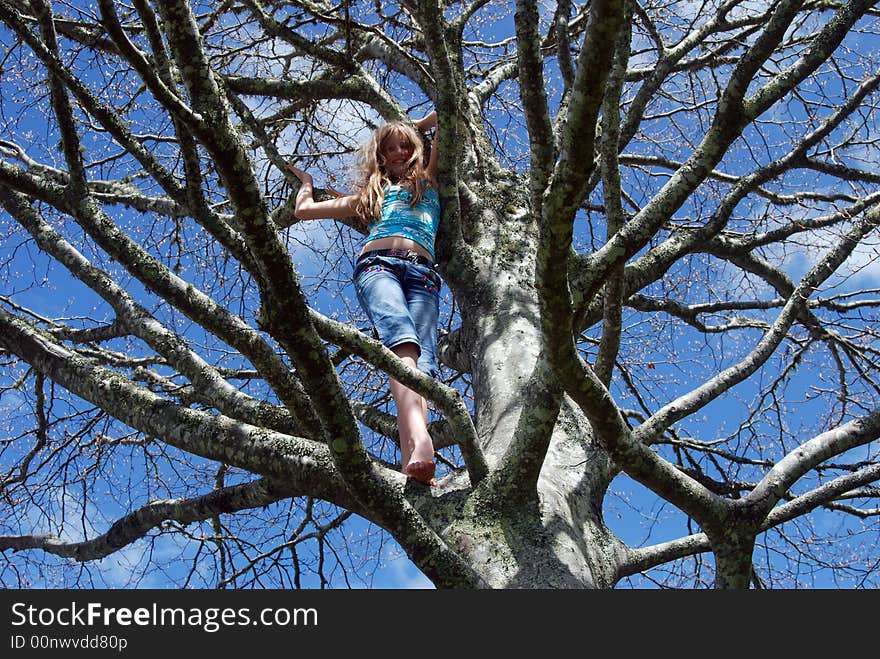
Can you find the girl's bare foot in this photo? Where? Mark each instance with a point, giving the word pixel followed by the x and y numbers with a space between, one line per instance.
pixel 422 471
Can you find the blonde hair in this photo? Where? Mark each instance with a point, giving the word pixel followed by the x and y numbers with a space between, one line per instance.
pixel 372 177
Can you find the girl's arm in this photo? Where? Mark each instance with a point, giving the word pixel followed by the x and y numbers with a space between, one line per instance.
pixel 431 168
pixel 308 209
pixel 424 124
pixel 427 122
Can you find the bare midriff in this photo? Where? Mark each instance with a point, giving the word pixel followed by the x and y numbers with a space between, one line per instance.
pixel 396 242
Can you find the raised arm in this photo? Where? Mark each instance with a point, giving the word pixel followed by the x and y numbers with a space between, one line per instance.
pixel 425 124
pixel 309 209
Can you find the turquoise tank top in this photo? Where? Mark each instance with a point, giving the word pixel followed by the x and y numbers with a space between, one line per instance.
pixel 399 218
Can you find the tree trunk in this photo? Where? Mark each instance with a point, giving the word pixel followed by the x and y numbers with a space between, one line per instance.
pixel 519 534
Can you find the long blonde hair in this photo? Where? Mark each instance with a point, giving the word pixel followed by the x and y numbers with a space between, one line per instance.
pixel 372 177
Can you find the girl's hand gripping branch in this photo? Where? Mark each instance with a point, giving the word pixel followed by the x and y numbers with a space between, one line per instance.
pixel 307 208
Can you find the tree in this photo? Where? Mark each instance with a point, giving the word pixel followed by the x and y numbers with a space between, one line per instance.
pixel 656 237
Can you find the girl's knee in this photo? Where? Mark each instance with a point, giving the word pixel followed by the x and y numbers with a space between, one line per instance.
pixel 407 350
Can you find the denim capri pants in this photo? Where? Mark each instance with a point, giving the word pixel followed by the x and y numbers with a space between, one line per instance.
pixel 402 299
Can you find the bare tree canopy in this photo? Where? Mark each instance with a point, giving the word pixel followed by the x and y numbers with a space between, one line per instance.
pixel 659 331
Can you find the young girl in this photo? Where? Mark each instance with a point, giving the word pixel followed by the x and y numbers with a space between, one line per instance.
pixel 394 277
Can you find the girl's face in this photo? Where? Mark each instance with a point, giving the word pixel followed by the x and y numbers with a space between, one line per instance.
pixel 396 151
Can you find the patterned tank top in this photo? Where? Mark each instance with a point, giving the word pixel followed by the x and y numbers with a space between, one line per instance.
pixel 418 222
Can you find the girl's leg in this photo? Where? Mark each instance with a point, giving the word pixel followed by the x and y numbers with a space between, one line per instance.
pixel 416 447
pixel 385 290
pixel 422 290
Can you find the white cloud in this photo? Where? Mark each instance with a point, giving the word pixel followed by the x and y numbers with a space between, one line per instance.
pixel 861 269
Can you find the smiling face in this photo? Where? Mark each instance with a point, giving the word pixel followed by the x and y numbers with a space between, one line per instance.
pixel 396 153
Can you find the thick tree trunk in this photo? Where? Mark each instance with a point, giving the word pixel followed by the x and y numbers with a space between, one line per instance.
pixel 526 534
pixel 733 544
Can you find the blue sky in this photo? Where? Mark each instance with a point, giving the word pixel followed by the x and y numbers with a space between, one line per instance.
pixel 637 516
